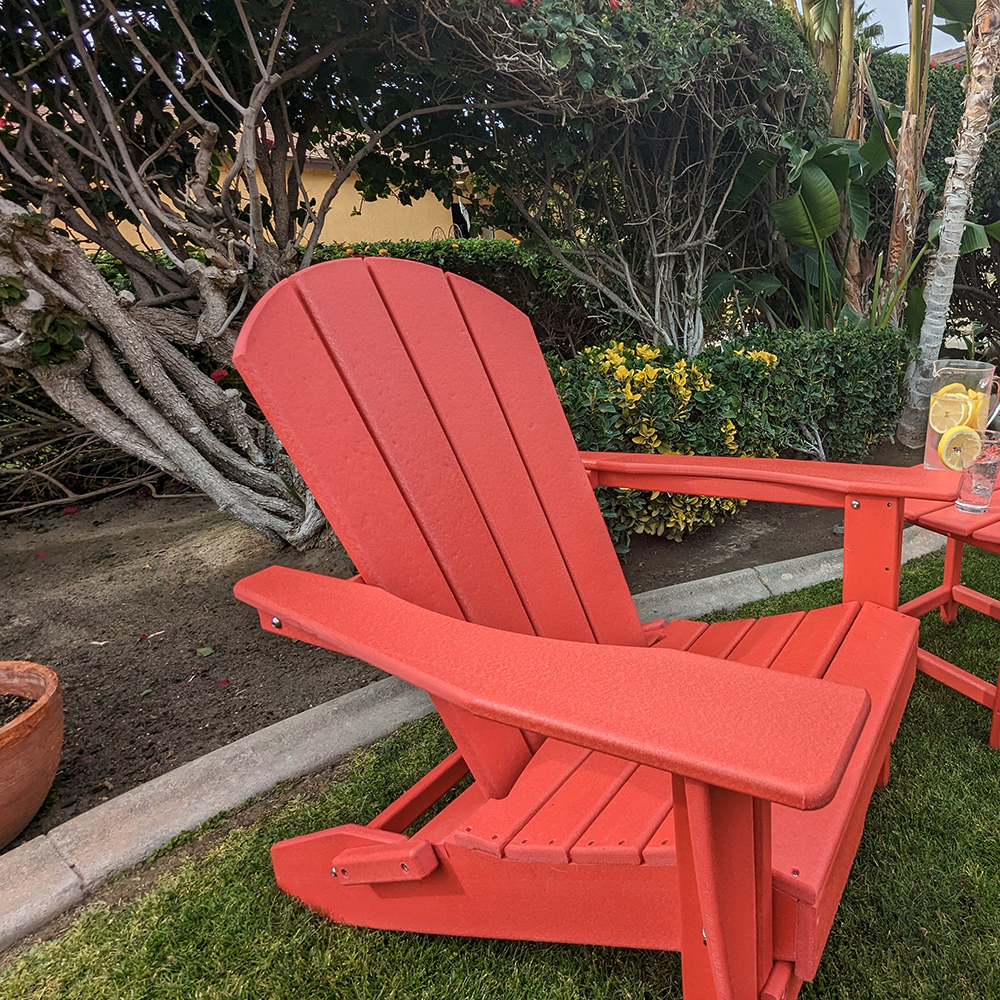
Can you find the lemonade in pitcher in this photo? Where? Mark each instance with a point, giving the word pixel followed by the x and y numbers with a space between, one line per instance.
pixel 959 412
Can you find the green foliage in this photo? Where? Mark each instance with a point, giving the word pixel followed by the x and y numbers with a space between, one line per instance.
pixel 946 96
pixel 12 291
pixel 769 393
pixel 54 332
pixel 842 385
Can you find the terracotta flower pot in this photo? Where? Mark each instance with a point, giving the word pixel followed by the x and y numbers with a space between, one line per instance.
pixel 30 744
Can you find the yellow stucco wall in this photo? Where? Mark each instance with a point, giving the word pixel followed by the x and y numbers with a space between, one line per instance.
pixel 386 219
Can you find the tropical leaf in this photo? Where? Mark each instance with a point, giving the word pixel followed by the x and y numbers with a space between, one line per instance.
pixel 805 264
pixel 718 287
pixel 876 152
pixel 764 284
pixel 823 17
pixel 809 216
pixel 913 312
pixel 859 205
pixel 960 11
pixel 757 165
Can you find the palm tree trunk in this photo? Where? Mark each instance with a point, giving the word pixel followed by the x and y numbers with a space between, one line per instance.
pixel 984 45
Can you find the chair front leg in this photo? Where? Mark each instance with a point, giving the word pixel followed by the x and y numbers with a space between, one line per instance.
pixel 952 578
pixel 724 868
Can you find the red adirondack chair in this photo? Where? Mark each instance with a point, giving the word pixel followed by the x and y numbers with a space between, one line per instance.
pixel 961 529
pixel 674 786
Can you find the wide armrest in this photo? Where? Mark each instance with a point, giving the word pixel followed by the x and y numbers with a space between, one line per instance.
pixel 774 735
pixel 780 480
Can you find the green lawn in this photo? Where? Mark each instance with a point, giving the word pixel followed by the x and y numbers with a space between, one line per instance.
pixel 920 917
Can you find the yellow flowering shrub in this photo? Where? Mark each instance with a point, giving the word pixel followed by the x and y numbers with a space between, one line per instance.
pixel 646 398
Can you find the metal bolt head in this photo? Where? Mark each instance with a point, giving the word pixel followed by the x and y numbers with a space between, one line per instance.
pixel 855 504
pixel 333 871
pixel 276 622
pixel 404 866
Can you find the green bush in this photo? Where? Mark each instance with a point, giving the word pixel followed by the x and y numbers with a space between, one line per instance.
pixel 770 393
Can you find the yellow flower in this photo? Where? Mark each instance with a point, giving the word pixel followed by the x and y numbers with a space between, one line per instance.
pixel 516 241
pixel 455 245
pixel 383 252
pixel 348 252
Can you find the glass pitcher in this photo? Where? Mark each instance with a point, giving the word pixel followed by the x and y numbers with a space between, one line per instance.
pixel 959 412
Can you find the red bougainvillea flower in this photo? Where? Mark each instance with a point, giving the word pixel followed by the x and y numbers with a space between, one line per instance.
pixel 219 374
pixel 614 4
pixel 515 3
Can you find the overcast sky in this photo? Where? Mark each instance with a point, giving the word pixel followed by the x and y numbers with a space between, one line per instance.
pixel 892 15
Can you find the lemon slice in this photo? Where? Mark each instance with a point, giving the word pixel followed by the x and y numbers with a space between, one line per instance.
pixel 976 399
pixel 959 447
pixel 949 410
pixel 950 390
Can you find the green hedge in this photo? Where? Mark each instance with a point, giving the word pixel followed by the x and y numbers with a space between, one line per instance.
pixel 769 393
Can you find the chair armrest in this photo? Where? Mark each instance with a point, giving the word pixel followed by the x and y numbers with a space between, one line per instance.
pixel 779 480
pixel 773 735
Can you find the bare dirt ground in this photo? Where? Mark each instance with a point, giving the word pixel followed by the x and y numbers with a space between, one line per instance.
pixel 129 600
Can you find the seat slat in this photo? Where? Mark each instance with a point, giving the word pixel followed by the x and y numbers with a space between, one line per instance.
pixel 679 634
pixel 491 827
pixel 765 639
pixel 721 638
pixel 661 848
pixel 816 640
pixel 809 843
pixel 556 826
pixel 624 827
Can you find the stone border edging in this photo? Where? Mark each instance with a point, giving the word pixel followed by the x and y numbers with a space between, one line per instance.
pixel 46 876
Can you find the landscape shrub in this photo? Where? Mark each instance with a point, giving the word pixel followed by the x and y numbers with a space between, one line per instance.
pixel 768 393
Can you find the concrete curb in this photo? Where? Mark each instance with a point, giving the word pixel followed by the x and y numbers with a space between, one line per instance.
pixel 48 875
pixel 730 590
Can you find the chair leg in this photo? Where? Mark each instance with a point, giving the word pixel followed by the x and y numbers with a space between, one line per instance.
pixel 883 775
pixel 952 577
pixel 995 724
pixel 724 869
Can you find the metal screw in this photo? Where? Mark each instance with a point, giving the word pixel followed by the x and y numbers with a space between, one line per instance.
pixel 795 873
pixel 276 622
pixel 333 871
pixel 889 504
pixel 855 504
pixel 404 866
pixel 343 871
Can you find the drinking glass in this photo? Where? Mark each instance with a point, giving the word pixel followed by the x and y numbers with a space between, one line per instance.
pixel 975 489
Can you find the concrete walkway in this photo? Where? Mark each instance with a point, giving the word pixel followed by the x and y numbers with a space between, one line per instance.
pixel 55 871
